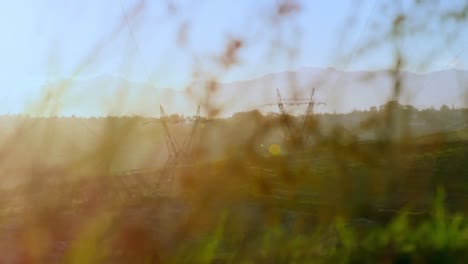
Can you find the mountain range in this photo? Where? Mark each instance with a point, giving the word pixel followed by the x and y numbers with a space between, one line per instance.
pixel 342 91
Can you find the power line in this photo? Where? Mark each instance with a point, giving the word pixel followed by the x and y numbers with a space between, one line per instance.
pixel 457 55
pixel 132 37
pixel 354 50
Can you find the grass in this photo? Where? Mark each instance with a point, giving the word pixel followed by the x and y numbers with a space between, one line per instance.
pixel 341 201
pixel 440 238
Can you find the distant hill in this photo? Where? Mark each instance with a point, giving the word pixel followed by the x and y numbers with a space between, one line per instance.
pixel 342 91
pixel 345 91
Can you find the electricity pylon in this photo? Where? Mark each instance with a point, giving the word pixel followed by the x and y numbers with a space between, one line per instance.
pixel 292 130
pixel 176 153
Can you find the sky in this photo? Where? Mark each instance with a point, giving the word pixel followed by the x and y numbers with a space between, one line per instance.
pixel 165 42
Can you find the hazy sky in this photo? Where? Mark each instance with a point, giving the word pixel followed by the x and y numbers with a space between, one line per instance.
pixel 45 40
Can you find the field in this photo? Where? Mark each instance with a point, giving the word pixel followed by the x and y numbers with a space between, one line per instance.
pixel 336 200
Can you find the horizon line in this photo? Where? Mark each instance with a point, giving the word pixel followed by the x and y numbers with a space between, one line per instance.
pixel 27 115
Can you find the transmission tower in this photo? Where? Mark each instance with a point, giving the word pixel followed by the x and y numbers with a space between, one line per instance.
pixel 309 110
pixel 172 146
pixel 292 130
pixel 176 153
pixel 142 180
